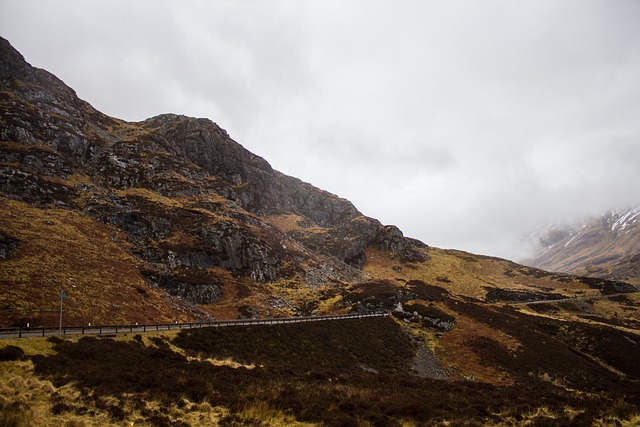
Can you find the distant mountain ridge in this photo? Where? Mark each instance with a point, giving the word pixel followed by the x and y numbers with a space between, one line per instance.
pixel 606 247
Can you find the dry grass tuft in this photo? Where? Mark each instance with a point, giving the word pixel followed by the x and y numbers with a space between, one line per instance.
pixel 292 222
pixel 262 414
pixel 25 400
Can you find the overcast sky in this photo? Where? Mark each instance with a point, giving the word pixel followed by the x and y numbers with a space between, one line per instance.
pixel 465 123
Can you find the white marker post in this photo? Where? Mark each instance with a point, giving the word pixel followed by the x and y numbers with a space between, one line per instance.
pixel 62 297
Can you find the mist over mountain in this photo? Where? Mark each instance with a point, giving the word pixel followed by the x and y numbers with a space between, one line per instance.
pixel 607 246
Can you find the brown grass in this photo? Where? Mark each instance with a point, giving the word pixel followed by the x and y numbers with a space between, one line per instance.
pixel 301 375
pixel 152 196
pixel 103 283
pixel 461 357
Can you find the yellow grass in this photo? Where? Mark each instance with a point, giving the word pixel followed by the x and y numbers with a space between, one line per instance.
pixel 151 196
pixel 25 400
pixel 291 222
pixel 262 414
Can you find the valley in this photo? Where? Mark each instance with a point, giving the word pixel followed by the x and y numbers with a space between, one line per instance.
pixel 171 221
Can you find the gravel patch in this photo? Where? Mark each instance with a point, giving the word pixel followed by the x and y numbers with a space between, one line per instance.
pixel 425 365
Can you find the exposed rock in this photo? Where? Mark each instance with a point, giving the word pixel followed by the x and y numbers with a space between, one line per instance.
pixel 34 188
pixel 8 245
pixel 389 238
pixel 346 242
pixel 233 248
pixel 192 284
pixel 377 297
pixel 248 312
pixel 323 274
pixel 608 287
pixel 198 294
pixel 425 364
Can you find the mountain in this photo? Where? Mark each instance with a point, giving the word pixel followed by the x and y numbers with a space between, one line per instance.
pixel 171 203
pixel 605 247
pixel 170 219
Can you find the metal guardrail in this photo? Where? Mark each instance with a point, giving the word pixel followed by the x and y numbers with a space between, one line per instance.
pixel 116 329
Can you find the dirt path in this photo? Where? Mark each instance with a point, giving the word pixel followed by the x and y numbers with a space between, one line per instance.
pixel 425 365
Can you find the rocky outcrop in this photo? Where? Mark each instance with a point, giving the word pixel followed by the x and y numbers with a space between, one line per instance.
pixel 188 238
pixel 389 238
pixel 233 248
pixel 346 242
pixel 37 107
pixel 8 246
pixel 244 177
pixel 376 297
pixel 195 287
pixel 428 315
pixel 383 297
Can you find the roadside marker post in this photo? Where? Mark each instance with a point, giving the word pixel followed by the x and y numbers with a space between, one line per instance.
pixel 62 297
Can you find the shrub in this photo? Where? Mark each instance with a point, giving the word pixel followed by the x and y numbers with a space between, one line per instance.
pixel 10 353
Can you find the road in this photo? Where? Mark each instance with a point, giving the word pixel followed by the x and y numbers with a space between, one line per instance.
pixel 116 329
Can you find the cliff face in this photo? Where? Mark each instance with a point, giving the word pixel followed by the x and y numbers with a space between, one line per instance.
pixel 200 216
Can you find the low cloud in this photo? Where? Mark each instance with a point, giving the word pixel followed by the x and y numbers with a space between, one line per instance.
pixel 465 124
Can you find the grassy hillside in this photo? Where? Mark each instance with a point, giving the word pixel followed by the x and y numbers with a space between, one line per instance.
pixel 63 249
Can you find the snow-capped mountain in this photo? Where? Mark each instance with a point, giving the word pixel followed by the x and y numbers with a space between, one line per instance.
pixel 607 246
pixel 623 222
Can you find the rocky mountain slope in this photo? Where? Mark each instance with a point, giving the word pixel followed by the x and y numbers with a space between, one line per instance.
pixel 606 247
pixel 168 204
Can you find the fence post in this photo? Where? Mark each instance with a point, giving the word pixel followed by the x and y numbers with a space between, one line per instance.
pixel 43 331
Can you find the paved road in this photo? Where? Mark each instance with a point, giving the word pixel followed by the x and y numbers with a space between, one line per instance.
pixel 113 329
